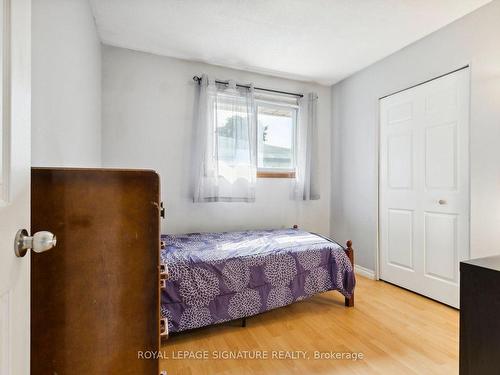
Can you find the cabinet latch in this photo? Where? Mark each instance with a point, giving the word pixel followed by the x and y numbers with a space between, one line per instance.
pixel 163 276
pixel 163 328
pixel 162 211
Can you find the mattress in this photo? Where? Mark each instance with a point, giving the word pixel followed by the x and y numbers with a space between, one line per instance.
pixel 217 277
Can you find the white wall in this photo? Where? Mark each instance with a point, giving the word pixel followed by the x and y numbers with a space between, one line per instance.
pixel 148 106
pixel 66 84
pixel 472 40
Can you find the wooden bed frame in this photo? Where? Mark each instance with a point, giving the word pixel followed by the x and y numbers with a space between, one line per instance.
pixel 349 302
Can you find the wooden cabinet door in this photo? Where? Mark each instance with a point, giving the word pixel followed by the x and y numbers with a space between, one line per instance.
pixel 95 296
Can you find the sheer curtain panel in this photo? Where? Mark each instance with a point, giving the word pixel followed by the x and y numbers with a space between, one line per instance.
pixel 226 136
pixel 306 174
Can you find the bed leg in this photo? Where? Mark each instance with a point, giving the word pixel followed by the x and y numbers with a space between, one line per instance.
pixel 349 302
pixel 244 322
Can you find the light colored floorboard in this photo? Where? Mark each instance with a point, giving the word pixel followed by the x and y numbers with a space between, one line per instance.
pixel 397 331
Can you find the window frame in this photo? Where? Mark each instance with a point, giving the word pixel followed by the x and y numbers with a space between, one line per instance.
pixel 278 172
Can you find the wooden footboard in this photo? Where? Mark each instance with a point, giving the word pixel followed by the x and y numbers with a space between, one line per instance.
pixel 349 302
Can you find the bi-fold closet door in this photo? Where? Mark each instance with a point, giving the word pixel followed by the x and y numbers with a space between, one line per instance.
pixel 424 186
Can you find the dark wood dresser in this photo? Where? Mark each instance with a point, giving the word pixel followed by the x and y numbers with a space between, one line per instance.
pixel 480 316
pixel 95 296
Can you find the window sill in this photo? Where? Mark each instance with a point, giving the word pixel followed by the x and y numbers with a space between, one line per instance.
pixel 268 174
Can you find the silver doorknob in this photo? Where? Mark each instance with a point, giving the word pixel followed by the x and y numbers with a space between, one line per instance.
pixel 442 202
pixel 39 242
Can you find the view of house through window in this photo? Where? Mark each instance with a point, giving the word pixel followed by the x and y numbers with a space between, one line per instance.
pixel 276 137
pixel 233 134
pixel 235 139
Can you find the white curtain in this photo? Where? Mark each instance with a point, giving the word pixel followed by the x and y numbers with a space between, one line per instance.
pixel 306 174
pixel 227 143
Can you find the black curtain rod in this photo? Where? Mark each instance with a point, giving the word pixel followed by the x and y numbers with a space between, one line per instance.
pixel 198 80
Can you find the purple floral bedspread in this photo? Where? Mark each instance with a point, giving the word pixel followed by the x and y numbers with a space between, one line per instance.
pixel 216 277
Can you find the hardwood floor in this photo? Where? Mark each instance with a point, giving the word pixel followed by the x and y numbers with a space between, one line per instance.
pixel 397 331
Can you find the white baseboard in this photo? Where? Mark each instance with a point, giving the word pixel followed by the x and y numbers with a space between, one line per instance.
pixel 362 271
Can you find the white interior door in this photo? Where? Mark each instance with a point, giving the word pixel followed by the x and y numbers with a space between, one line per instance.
pixel 424 186
pixel 14 185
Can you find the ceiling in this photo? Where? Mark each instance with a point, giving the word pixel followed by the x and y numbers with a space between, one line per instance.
pixel 313 40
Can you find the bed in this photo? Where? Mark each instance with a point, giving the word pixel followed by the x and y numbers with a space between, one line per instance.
pixel 210 278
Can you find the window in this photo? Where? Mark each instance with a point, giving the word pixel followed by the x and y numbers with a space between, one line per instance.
pixel 276 140
pixel 233 134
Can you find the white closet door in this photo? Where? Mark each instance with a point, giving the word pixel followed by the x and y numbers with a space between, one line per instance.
pixel 424 186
